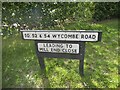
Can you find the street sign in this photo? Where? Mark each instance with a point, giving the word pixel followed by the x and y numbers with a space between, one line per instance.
pixel 81 35
pixel 58 48
pixel 61 44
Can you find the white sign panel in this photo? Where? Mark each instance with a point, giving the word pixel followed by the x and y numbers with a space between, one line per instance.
pixel 58 48
pixel 59 35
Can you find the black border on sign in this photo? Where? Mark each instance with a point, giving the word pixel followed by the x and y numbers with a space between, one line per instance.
pixel 99 34
pixel 59 55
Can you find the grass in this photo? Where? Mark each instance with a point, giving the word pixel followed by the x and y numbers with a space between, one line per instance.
pixel 21 68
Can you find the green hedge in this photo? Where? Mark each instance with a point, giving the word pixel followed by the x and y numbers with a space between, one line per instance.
pixel 16 16
pixel 105 10
pixel 42 15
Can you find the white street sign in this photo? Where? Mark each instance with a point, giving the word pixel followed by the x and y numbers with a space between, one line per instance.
pixel 61 35
pixel 58 48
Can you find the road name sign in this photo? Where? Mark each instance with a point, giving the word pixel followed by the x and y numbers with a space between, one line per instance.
pixel 81 35
pixel 61 44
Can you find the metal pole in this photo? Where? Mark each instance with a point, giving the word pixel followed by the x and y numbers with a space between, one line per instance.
pixel 81 61
pixel 41 63
pixel 40 59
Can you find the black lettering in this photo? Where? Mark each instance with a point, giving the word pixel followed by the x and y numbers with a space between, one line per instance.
pixel 48 35
pixel 75 51
pixel 70 36
pixel 34 35
pixel 70 46
pixel 58 35
pixel 93 36
pixel 46 50
pixel 69 50
pixel 27 35
pixel 64 50
pixel 65 35
pixel 45 35
pixel 90 36
pixel 62 36
pixel 53 45
pixel 86 36
pixel 76 35
pixel 82 36
pixel 54 36
pixel 40 36
pixel 44 45
pixel 55 49
pixel 41 49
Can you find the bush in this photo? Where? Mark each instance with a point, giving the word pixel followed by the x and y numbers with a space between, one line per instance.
pixel 105 10
pixel 43 15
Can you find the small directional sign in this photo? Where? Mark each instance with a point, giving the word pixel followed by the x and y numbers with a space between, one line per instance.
pixel 81 35
pixel 58 48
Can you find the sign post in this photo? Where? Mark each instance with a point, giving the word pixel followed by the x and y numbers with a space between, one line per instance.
pixel 61 44
pixel 81 63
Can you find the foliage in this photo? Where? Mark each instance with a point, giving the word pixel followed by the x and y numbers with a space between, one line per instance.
pixel 106 10
pixel 41 15
pixel 47 15
pixel 21 68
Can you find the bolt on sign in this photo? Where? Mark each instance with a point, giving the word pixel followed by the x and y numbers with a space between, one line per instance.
pixel 61 44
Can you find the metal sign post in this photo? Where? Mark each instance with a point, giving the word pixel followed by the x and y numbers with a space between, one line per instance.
pixel 40 59
pixel 61 44
pixel 81 63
